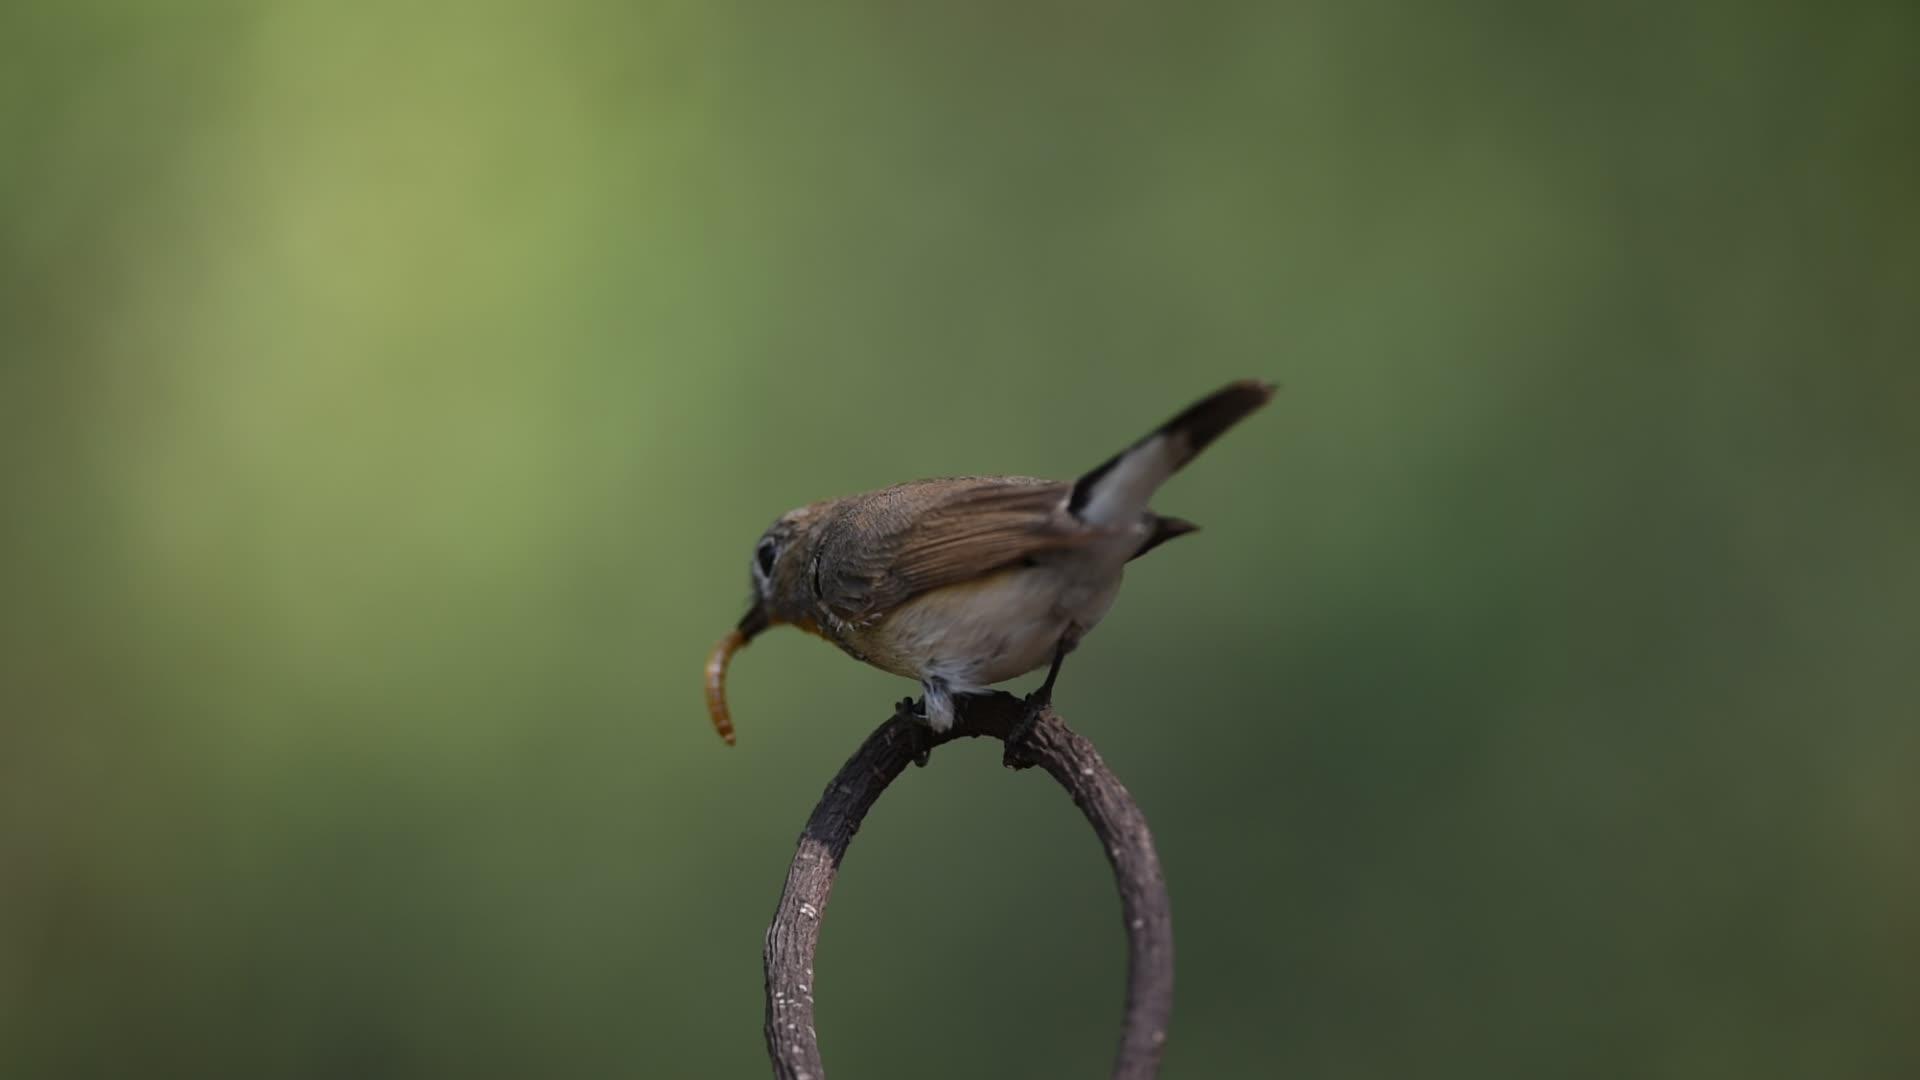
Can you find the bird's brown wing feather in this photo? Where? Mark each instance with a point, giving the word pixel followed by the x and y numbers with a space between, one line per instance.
pixel 881 550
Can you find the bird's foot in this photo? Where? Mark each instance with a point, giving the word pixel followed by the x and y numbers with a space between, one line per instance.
pixel 919 736
pixel 1019 751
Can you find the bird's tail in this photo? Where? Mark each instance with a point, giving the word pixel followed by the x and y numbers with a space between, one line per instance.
pixel 1118 490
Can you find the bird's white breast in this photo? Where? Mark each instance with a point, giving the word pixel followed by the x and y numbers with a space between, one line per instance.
pixel 1004 625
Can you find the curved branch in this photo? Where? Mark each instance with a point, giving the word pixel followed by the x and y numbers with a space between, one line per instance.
pixel 1066 756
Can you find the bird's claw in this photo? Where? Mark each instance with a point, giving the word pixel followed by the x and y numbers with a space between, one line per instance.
pixel 1018 753
pixel 919 736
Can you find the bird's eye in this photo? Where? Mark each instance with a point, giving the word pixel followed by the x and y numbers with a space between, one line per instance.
pixel 763 557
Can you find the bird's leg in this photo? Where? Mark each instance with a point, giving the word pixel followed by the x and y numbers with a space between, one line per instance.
pixel 919 736
pixel 1043 696
pixel 927 719
pixel 1036 703
pixel 936 706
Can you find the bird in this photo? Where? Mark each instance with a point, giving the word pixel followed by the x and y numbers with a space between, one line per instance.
pixel 963 582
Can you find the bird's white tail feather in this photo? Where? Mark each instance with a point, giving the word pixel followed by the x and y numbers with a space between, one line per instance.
pixel 1117 492
pixel 1120 495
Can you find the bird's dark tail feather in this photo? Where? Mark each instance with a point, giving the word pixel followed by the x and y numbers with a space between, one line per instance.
pixel 1120 487
pixel 1164 529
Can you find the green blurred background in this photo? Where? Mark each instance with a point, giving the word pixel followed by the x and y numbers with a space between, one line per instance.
pixel 391 396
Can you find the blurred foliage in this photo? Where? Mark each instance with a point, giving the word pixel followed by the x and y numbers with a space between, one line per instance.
pixel 390 398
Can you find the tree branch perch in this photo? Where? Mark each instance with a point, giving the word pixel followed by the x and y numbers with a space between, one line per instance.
pixel 1072 761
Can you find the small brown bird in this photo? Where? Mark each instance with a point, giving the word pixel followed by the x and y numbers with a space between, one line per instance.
pixel 968 581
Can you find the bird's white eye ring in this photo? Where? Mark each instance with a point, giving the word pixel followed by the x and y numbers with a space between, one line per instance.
pixel 764 555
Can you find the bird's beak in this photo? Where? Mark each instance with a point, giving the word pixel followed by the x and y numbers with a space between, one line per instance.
pixel 755 620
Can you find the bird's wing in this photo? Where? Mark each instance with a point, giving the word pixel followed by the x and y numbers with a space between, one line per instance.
pixel 883 549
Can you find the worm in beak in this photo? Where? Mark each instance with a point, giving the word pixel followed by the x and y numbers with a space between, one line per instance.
pixel 736 639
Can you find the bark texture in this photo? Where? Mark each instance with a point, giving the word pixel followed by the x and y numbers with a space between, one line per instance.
pixel 1067 757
